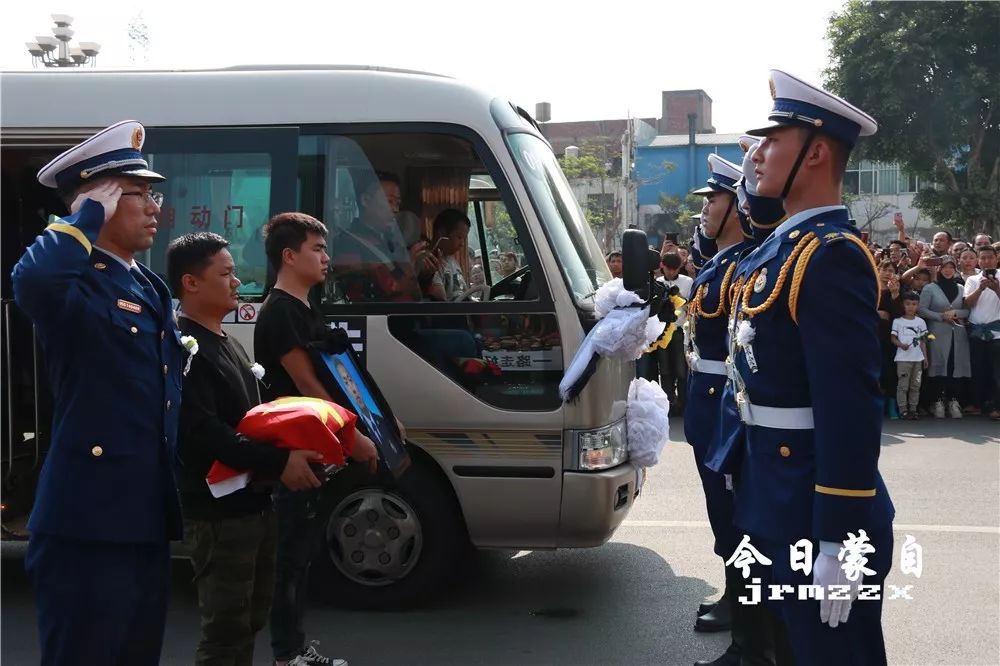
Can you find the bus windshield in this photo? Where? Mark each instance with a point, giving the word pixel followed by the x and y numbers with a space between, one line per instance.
pixel 579 256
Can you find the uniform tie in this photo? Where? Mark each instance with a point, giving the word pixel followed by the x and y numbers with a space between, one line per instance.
pixel 147 286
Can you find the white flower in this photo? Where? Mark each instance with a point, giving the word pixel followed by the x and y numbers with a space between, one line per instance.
pixel 258 371
pixel 190 343
pixel 744 333
pixel 647 417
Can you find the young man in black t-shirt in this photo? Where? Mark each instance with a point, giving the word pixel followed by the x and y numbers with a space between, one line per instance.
pixel 296 247
pixel 233 537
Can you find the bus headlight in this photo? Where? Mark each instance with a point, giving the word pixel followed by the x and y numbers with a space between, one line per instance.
pixel 602 448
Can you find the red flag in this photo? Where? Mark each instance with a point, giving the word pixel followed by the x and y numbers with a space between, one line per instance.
pixel 291 423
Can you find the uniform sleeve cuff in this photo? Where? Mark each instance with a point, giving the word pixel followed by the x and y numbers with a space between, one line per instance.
pixel 831 548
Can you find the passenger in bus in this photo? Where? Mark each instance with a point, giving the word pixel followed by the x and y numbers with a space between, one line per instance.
pixel 371 259
pixel 106 505
pixel 234 537
pixel 449 240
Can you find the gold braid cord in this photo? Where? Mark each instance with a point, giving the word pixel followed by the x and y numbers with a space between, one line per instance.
pixel 734 293
pixel 778 285
pixel 697 311
pixel 800 273
pixel 857 241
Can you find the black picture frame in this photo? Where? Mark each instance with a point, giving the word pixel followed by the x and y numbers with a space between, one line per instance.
pixel 347 381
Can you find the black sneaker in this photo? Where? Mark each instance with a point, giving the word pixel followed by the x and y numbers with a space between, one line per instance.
pixel 310 656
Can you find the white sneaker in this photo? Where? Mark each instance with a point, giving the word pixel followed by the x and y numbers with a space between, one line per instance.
pixel 954 409
pixel 938 410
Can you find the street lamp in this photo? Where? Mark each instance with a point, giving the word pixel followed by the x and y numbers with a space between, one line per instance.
pixel 43 49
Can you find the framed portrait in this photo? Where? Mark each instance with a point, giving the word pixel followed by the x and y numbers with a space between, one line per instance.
pixel 359 393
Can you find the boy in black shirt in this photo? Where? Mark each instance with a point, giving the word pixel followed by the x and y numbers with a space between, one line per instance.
pixel 234 536
pixel 296 247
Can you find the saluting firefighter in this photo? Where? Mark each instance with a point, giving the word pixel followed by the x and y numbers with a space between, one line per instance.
pixel 106 505
pixel 806 370
pixel 706 354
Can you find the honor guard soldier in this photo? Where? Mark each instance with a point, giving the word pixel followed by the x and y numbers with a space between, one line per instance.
pixel 706 354
pixel 806 367
pixel 106 506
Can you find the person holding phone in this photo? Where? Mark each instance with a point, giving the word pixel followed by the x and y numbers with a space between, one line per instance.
pixel 982 297
pixel 942 306
pixel 449 236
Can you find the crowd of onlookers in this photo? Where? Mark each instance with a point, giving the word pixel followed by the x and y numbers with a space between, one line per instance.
pixel 939 325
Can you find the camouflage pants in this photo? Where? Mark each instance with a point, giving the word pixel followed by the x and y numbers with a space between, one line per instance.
pixel 233 562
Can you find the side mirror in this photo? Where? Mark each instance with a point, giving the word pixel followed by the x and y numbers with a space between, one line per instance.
pixel 638 262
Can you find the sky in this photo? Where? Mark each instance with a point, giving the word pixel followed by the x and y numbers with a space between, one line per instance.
pixel 609 61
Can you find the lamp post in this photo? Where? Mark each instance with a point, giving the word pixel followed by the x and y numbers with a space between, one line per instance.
pixel 43 49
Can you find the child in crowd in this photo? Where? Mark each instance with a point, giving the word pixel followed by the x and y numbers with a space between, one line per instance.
pixel 909 335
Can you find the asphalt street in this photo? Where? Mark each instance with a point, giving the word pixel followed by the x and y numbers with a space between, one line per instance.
pixel 633 600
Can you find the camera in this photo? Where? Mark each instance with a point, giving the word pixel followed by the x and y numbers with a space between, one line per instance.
pixel 991 273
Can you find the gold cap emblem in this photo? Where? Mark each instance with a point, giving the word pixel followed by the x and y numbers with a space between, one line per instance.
pixel 100 266
pixel 137 138
pixel 770 83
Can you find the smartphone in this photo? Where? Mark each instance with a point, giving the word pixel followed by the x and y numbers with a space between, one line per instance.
pixel 864 237
pixel 933 261
pixel 437 243
pixel 991 273
pixel 671 236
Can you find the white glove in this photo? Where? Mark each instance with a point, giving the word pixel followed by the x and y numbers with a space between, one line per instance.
pixel 107 195
pixel 749 175
pixel 827 571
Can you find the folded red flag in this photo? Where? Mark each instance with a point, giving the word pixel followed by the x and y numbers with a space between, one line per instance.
pixel 290 423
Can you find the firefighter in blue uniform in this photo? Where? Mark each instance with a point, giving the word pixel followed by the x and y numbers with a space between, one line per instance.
pixel 805 372
pixel 106 506
pixel 706 355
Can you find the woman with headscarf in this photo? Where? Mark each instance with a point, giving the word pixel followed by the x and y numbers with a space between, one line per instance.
pixel 942 306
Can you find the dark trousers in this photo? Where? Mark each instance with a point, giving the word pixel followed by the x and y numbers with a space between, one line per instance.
pixel 985 357
pixel 233 562
pixel 298 535
pixel 719 503
pixel 674 372
pixel 99 602
pixel 806 640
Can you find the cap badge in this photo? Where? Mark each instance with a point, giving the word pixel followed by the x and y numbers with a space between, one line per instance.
pixel 100 266
pixel 137 138
pixel 770 83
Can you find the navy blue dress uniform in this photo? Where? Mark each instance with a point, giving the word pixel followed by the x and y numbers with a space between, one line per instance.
pixel 106 505
pixel 805 372
pixel 706 355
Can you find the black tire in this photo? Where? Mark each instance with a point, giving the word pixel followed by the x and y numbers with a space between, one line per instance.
pixel 443 547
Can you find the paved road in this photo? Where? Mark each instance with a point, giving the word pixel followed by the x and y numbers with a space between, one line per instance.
pixel 631 601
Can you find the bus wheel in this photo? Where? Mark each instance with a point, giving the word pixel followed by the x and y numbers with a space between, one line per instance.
pixel 389 545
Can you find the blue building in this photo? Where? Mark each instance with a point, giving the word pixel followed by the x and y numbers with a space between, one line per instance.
pixel 673 165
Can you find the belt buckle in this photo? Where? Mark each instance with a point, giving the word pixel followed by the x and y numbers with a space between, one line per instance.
pixel 743 404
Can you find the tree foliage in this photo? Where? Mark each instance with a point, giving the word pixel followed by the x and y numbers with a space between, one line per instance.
pixel 929 72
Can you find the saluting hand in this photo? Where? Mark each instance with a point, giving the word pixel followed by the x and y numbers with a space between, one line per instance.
pixel 297 474
pixel 107 194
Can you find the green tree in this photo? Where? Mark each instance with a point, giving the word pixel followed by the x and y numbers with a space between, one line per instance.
pixel 679 211
pixel 929 72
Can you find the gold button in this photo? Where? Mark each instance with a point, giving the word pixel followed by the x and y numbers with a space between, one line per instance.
pixel 165 370
pixel 97 451
pixel 168 404
pixel 134 330
pixel 785 451
pixel 711 390
pixel 794 234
